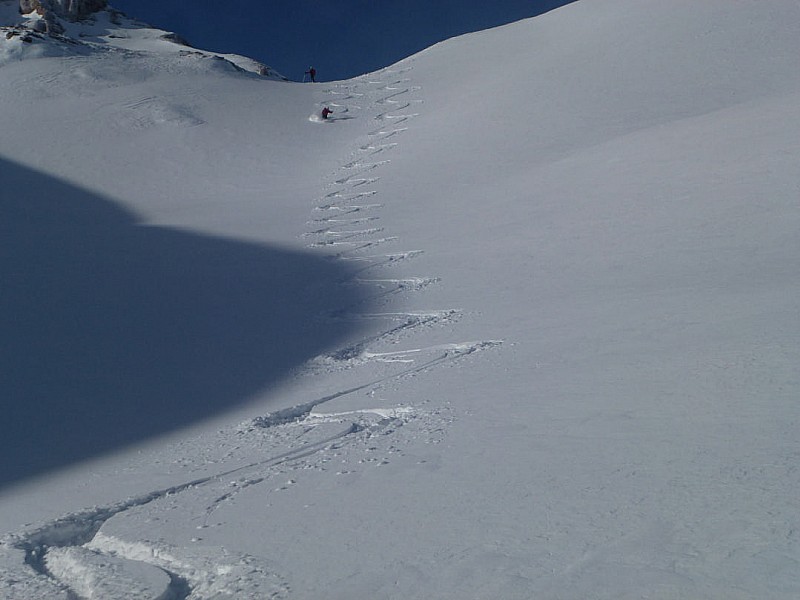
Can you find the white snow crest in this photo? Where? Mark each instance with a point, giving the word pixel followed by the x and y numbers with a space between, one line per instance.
pixel 93 576
pixel 208 572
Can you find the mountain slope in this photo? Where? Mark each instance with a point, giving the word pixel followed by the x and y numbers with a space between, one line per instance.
pixel 558 266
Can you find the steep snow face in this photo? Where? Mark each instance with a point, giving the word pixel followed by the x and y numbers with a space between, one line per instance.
pixel 588 73
pixel 556 267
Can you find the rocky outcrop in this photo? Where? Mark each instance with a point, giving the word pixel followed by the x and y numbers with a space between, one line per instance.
pixel 176 39
pixel 52 10
pixel 28 6
pixel 69 9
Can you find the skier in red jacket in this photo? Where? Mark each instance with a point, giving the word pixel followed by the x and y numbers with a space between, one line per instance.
pixel 325 112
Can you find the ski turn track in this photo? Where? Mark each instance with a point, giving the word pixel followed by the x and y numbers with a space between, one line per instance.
pixel 74 557
pixel 387 98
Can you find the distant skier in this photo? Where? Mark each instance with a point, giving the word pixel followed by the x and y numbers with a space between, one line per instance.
pixel 325 112
pixel 312 74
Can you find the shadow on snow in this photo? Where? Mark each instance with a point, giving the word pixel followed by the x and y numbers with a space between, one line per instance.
pixel 112 332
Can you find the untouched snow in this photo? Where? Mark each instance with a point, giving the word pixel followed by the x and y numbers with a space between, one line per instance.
pixel 519 321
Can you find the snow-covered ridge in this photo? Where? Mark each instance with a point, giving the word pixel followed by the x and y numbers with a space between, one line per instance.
pixel 67 27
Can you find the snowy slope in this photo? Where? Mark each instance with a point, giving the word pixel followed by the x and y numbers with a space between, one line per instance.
pixel 520 322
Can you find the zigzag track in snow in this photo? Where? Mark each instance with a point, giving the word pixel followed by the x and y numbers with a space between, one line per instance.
pixel 341 195
pixel 336 220
pixel 385 133
pixel 356 164
pixel 295 454
pixel 62 552
pixel 351 245
pixel 355 176
pixel 395 285
pixel 390 115
pixel 347 209
pixel 390 98
pixel 401 323
pixel 377 261
pixel 374 149
pixel 387 97
pixel 355 424
pixel 72 558
pixel 354 180
pixel 344 235
pixel 436 355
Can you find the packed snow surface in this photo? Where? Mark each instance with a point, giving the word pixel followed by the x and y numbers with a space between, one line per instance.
pixel 519 320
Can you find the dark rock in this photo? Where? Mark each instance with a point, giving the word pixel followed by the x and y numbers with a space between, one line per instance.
pixel 70 9
pixel 28 6
pixel 175 39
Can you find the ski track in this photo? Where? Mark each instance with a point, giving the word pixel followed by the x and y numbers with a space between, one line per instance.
pixel 387 100
pixel 72 558
pixel 370 93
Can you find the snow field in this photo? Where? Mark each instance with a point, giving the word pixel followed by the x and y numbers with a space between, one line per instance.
pixel 609 189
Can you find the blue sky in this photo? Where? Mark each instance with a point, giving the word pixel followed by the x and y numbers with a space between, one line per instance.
pixel 341 39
